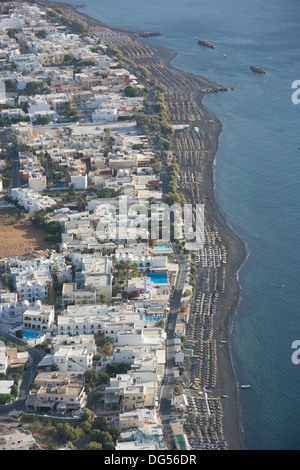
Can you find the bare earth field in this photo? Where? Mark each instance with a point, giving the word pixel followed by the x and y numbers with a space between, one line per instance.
pixel 18 237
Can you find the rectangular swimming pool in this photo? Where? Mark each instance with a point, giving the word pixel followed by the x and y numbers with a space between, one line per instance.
pixel 158 278
pixel 30 334
pixel 152 319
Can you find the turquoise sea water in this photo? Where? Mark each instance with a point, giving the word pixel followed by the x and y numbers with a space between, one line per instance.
pixel 257 172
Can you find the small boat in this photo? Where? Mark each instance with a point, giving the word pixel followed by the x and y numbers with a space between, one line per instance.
pixel 245 386
pixel 225 396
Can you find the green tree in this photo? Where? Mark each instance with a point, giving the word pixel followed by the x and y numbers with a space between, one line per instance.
pixel 102 299
pixel 101 424
pixel 7 282
pixel 178 389
pixel 88 415
pixel 103 377
pixel 132 91
pixel 90 376
pixel 167 145
pixel 115 432
pixel 95 446
pixel 10 85
pixel 5 398
pixel 108 349
pixel 86 426
pixel 66 432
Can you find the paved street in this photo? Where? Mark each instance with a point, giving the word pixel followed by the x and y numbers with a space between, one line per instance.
pixel 168 384
pixel 35 354
pixel 12 155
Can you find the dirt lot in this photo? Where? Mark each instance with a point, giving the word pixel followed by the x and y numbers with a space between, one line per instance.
pixel 18 236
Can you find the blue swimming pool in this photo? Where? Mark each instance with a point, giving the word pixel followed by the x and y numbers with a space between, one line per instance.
pixel 154 319
pixel 158 278
pixel 30 334
pixel 162 247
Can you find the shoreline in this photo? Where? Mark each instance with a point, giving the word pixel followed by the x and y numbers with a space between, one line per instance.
pixel 237 255
pixel 236 249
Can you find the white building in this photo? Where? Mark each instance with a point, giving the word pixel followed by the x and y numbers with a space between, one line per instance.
pixel 69 359
pixel 37 182
pixel 101 283
pixel 79 181
pixel 27 63
pixel 97 319
pixel 115 390
pixel 75 342
pixel 31 283
pixel 71 295
pixel 3 360
pixel 39 317
pixel 11 21
pixel 78 325
pixel 139 337
pixel 146 264
pixel 11 311
pixel 107 114
pixel 39 107
pixel 31 200
pixel 12 113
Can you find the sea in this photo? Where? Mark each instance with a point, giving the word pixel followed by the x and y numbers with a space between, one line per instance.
pixel 257 180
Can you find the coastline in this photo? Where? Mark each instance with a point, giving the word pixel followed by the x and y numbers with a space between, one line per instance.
pixel 236 249
pixel 237 255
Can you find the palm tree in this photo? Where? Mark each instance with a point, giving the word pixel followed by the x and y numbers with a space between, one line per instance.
pixel 135 270
pixel 127 267
pixel 102 299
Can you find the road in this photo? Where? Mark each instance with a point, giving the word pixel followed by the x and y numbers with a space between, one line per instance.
pixel 11 154
pixel 168 384
pixel 35 354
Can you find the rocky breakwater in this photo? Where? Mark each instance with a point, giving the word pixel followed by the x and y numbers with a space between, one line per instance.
pixel 257 69
pixel 147 34
pixel 206 44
